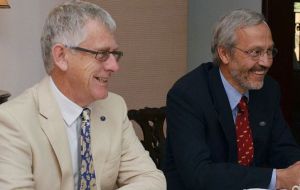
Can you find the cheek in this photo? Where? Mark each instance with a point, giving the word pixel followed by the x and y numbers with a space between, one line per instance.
pixel 244 65
pixel 75 75
pixel 89 70
pixel 81 77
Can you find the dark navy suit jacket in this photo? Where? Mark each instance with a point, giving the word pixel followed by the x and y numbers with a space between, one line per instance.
pixel 201 150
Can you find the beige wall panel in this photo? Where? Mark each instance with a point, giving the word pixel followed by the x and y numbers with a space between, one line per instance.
pixel 153 36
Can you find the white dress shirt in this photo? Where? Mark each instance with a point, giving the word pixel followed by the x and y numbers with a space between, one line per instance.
pixel 71 115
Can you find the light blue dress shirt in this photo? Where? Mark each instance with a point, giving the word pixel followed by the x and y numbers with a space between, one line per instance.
pixel 234 98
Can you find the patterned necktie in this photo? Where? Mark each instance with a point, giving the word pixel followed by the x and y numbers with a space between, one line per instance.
pixel 244 134
pixel 87 172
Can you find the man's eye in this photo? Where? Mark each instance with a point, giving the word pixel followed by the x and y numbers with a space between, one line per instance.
pixel 103 53
pixel 270 52
pixel 254 53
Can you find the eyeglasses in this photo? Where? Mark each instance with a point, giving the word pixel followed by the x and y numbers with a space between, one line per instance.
pixel 255 54
pixel 100 55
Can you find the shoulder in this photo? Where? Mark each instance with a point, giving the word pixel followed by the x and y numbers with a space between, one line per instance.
pixel 30 99
pixel 25 101
pixel 113 103
pixel 194 80
pixel 199 72
pixel 20 114
pixel 112 99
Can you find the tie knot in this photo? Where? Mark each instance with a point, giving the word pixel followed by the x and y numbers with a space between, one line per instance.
pixel 85 115
pixel 243 104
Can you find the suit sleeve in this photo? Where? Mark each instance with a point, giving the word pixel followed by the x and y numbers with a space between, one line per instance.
pixel 284 151
pixel 15 156
pixel 191 154
pixel 137 170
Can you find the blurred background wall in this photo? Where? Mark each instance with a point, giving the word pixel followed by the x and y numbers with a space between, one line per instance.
pixel 162 40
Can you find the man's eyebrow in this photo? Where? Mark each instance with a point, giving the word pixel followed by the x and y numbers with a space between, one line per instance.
pixel 106 49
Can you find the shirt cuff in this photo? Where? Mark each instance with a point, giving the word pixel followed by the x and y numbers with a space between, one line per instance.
pixel 272 185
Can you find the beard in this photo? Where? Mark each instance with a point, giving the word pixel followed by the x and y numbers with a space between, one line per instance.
pixel 243 78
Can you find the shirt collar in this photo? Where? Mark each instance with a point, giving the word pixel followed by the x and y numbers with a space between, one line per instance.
pixel 233 95
pixel 69 110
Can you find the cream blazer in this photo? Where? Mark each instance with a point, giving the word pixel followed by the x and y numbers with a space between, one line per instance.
pixel 34 149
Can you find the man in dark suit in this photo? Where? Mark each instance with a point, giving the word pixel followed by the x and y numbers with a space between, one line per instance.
pixel 204 149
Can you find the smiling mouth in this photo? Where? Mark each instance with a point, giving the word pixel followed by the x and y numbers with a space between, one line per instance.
pixel 102 79
pixel 260 72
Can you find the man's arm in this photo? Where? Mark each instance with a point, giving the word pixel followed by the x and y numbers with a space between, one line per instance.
pixel 15 156
pixel 285 151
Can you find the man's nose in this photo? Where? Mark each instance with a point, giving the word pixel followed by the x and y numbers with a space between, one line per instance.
pixel 112 63
pixel 265 60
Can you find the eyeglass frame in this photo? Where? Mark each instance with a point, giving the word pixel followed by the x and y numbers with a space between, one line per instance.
pixel 117 54
pixel 271 53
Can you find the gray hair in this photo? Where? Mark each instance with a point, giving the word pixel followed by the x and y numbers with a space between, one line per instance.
pixel 65 24
pixel 224 32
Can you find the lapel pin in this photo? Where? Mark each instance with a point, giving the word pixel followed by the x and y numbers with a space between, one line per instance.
pixel 102 118
pixel 262 123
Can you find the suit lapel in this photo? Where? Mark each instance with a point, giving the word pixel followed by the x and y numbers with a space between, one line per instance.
pixel 100 135
pixel 223 110
pixel 53 126
pixel 259 124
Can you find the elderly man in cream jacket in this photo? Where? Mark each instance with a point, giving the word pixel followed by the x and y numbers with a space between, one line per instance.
pixel 68 132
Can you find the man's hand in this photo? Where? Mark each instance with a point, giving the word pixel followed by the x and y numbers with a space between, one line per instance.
pixel 288 177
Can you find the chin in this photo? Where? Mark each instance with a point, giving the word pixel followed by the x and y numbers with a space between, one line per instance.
pixel 255 85
pixel 100 95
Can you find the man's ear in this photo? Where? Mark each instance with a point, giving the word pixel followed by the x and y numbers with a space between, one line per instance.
pixel 59 56
pixel 224 55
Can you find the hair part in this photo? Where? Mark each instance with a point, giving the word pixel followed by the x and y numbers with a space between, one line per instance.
pixel 66 24
pixel 224 33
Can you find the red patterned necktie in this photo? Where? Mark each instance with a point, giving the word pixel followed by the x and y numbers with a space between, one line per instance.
pixel 244 134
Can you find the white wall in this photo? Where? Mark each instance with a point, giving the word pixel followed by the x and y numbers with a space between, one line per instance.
pixel 202 16
pixel 20 57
